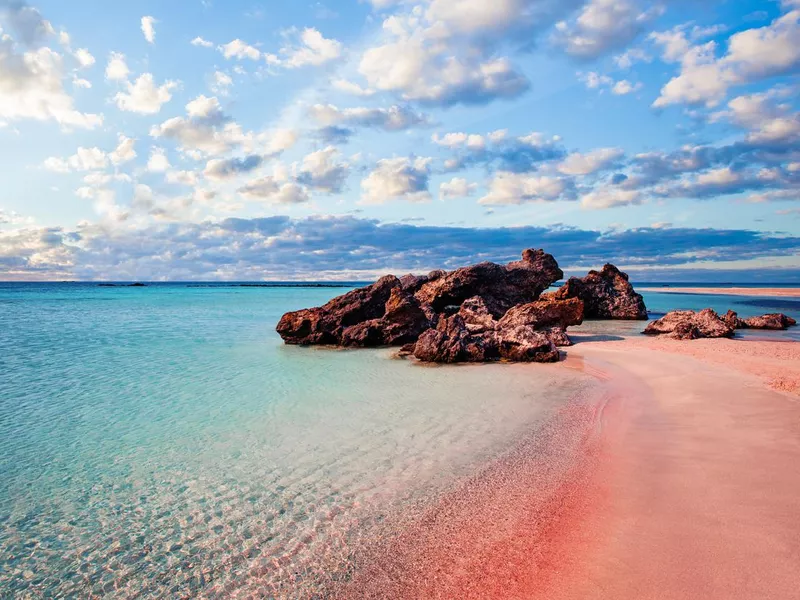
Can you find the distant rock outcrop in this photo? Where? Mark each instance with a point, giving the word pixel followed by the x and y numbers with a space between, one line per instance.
pixel 606 294
pixel 690 325
pixel 776 321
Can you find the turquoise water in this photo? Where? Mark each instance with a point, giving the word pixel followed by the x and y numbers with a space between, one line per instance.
pixel 162 441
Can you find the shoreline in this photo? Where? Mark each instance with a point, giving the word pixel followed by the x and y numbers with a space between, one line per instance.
pixel 676 480
pixel 733 291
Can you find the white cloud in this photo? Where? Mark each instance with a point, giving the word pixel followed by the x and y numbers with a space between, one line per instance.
pixel 591 162
pixel 148 29
pixel 240 50
pixel 623 87
pixel 188 178
pixel 143 96
pixel 220 82
pixel 394 118
pixel 457 187
pixel 84 57
pixel 752 55
pixel 397 178
pixel 322 171
pixel 348 87
pixel 603 25
pixel 158 161
pixel 84 159
pixel 312 49
pixel 270 189
pixel 124 152
pixel 117 68
pixel 32 87
pixel 767 121
pixel 519 188
pixel 198 41
pixel 610 197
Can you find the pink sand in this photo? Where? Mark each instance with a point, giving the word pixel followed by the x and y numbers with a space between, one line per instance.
pixel 679 479
pixel 784 292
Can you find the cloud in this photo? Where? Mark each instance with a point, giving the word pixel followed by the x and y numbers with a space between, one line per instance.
pixel 347 248
pixel 397 179
pixel 312 48
pixel 117 68
pixel 84 58
pixel 148 29
pixel 610 197
pixel 596 81
pixel 158 161
pixel 84 159
pixel 240 50
pixel 591 162
pixel 348 87
pixel 508 188
pixel 144 96
pixel 32 82
pixel 26 21
pixel 497 150
pixel 766 120
pixel 752 55
pixel 208 131
pixel 271 190
pixel 394 118
pixel 198 41
pixel 604 25
pixel 321 171
pixel 220 82
pixel 124 152
pixel 457 187
pixel 218 169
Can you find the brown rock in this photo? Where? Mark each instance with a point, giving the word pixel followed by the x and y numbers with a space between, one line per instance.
pixel 325 325
pixel 771 321
pixel 404 319
pixel 501 287
pixel 690 325
pixel 733 320
pixel 476 315
pixel 545 313
pixel 606 294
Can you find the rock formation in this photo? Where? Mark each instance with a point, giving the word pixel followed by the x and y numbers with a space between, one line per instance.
pixel 606 294
pixel 690 325
pixel 480 313
pixel 776 321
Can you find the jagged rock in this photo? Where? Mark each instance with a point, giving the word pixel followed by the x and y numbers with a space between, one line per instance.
pixel 690 325
pixel 325 325
pixel 732 319
pixel 545 313
pixel 771 321
pixel 525 344
pixel 501 287
pixel 368 334
pixel 777 321
pixel 606 294
pixel 449 342
pixel 404 319
pixel 476 315
pixel 558 336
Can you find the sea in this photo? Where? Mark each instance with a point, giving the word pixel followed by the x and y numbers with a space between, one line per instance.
pixel 162 442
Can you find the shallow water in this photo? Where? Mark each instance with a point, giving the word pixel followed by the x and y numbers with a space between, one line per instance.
pixel 161 441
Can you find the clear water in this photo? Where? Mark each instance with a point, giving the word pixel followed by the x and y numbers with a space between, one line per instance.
pixel 162 442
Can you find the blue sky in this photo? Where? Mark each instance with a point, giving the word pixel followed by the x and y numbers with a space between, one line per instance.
pixel 269 140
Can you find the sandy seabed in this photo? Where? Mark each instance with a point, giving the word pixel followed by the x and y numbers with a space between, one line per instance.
pixel 772 292
pixel 676 478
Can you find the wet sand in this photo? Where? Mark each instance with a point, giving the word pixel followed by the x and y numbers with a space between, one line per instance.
pixel 781 292
pixel 677 479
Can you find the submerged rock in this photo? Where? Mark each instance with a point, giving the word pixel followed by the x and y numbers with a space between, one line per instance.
pixel 606 294
pixel 691 325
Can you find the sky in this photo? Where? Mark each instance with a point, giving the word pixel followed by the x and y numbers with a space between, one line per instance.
pixel 246 140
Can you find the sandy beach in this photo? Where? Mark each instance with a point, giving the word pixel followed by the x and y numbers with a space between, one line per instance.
pixel 733 291
pixel 678 479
